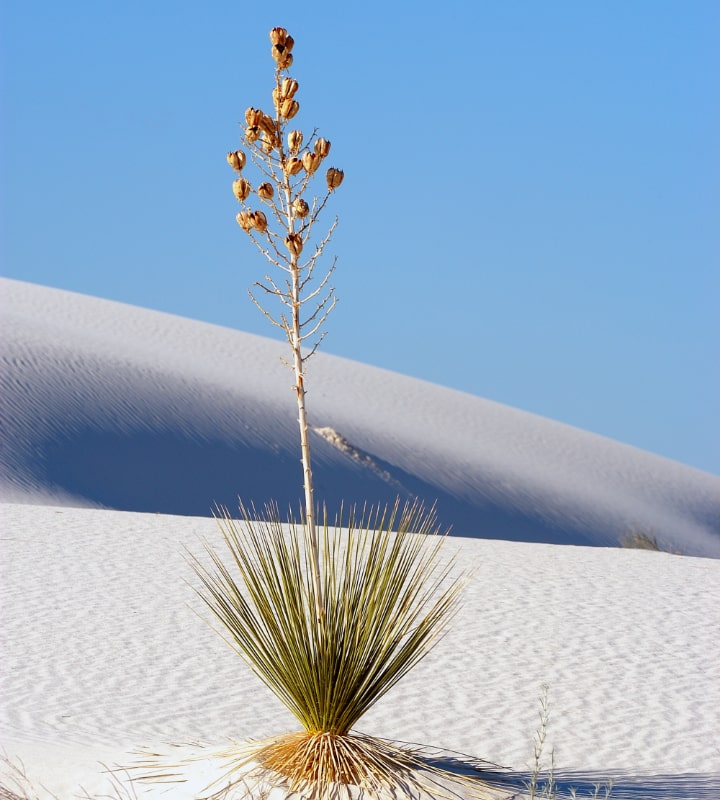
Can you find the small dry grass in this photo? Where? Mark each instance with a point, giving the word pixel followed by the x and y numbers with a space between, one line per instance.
pixel 14 782
pixel 16 785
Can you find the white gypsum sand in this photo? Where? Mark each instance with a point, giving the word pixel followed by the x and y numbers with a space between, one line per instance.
pixel 102 653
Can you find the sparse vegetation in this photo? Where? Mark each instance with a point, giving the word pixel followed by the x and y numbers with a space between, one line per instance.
pixel 542 784
pixel 14 782
pixel 642 538
pixel 542 778
pixel 16 785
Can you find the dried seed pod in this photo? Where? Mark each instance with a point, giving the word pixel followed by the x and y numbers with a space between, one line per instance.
pixel 334 178
pixel 259 221
pixel 289 87
pixel 244 220
pixel 294 139
pixel 311 161
pixel 289 108
pixel 300 208
pixel 241 189
pixel 253 116
pixel 277 97
pixel 269 143
pixel 293 166
pixel 252 133
pixel 282 44
pixel 322 147
pixel 265 191
pixel 278 35
pixel 283 58
pixel 267 123
pixel 236 160
pixel 294 244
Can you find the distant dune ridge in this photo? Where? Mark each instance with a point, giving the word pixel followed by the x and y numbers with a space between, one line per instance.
pixel 105 404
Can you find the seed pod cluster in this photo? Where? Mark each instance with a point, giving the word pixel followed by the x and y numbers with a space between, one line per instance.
pixel 261 126
pixel 281 47
pixel 284 98
pixel 265 137
pixel 248 220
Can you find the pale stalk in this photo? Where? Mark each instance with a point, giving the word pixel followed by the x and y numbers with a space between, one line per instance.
pixel 304 443
pixel 295 343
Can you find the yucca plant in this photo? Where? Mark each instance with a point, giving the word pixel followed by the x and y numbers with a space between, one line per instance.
pixel 330 617
pixel 386 598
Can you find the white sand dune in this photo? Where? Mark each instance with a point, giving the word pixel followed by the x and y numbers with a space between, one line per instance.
pixel 109 411
pixel 111 405
pixel 103 653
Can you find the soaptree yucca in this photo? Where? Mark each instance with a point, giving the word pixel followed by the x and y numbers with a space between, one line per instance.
pixel 328 616
pixel 386 598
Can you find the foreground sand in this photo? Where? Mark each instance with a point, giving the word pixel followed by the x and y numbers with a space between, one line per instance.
pixel 104 653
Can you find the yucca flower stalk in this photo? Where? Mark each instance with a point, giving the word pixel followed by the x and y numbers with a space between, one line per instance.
pixel 287 170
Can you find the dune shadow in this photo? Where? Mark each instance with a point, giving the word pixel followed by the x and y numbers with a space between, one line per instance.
pixel 614 784
pixel 168 473
pixel 482 518
pixel 174 472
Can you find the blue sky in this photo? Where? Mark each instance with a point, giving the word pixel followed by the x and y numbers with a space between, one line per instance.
pixel 531 198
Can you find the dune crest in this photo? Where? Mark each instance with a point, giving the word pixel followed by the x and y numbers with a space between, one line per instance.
pixel 110 405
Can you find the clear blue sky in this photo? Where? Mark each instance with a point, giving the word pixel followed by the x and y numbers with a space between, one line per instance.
pixel 531 206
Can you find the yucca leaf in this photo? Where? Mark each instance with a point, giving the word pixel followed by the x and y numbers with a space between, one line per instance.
pixel 386 599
